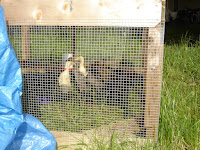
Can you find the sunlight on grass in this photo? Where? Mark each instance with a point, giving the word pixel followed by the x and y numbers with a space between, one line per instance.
pixel 179 119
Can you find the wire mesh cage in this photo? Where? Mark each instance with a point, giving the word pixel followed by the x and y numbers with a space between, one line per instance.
pixel 90 78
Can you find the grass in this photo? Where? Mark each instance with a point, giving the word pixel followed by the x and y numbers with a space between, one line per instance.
pixel 74 117
pixel 180 116
pixel 179 127
pixel 74 114
pixel 49 43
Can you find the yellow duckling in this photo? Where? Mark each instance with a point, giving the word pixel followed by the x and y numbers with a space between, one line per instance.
pixel 64 78
pixel 82 68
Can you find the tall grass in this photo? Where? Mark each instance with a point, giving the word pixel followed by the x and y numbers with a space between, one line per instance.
pixel 180 116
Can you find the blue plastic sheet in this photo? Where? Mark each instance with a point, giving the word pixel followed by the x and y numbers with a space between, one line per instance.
pixel 18 131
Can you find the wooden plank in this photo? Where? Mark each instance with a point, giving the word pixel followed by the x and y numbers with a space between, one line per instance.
pixel 153 78
pixel 37 12
pixel 25 43
pixel 153 82
pixel 82 22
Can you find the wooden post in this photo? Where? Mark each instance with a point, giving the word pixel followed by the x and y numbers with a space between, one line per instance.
pixel 153 78
pixel 153 82
pixel 25 43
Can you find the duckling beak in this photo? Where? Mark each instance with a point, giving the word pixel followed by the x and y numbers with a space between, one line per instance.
pixel 71 68
pixel 78 58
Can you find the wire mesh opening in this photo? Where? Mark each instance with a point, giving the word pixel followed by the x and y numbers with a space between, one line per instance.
pixel 105 86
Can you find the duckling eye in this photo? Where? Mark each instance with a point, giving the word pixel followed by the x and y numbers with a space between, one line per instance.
pixel 69 59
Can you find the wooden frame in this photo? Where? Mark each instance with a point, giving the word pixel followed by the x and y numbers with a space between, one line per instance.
pixel 82 11
pixel 153 79
pixel 42 11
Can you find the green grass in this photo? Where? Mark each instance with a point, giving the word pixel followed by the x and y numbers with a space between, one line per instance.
pixel 74 117
pixel 179 126
pixel 180 102
pixel 49 43
pixel 74 114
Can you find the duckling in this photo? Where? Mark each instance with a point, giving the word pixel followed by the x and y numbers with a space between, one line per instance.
pixel 64 78
pixel 80 75
pixel 87 82
pixel 82 68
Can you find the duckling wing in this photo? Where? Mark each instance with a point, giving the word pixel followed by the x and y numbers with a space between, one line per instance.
pixel 64 79
pixel 64 83
pixel 83 71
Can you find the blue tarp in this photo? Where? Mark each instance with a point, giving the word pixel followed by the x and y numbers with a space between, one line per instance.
pixel 18 131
